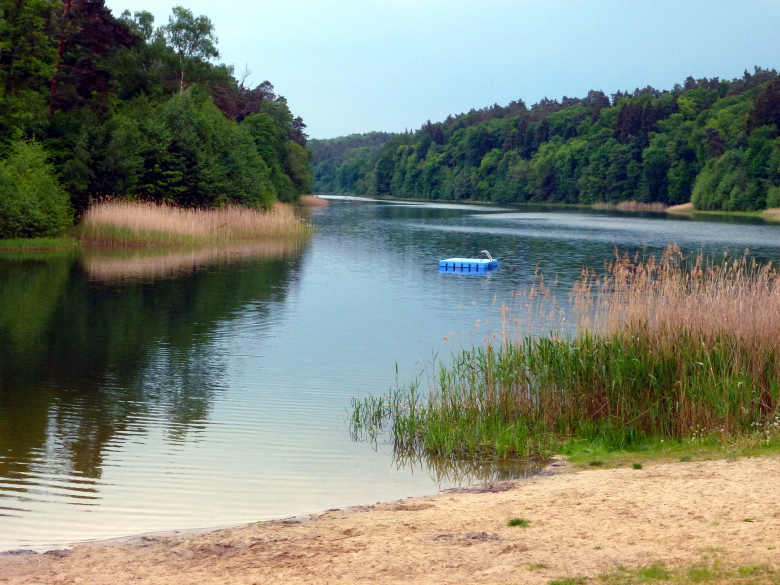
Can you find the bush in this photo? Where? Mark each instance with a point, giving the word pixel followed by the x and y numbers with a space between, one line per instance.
pixel 32 202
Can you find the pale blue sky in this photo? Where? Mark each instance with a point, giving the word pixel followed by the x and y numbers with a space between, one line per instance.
pixel 360 65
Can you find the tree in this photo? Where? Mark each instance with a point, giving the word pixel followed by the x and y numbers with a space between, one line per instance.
pixel 88 38
pixel 190 38
pixel 27 56
pixel 32 202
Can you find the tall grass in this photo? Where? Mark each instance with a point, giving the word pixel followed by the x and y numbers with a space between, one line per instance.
pixel 665 347
pixel 313 201
pixel 148 224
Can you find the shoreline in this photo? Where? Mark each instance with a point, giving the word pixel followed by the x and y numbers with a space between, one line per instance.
pixel 581 524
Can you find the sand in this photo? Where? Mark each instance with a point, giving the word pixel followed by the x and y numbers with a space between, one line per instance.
pixel 581 524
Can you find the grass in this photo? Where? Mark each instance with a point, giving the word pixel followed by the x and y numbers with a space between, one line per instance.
pixel 132 224
pixel 708 570
pixel 522 522
pixel 37 244
pixel 568 581
pixel 671 355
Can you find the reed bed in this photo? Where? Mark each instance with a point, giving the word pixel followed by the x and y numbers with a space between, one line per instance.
pixel 130 224
pixel 681 208
pixel 631 206
pixel 772 214
pixel 313 201
pixel 665 348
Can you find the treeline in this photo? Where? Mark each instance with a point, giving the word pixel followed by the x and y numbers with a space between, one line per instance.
pixel 95 106
pixel 710 141
pixel 342 165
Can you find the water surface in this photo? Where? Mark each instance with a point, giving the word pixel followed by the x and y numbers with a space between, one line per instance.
pixel 194 389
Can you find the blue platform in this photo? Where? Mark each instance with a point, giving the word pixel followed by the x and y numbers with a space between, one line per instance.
pixel 468 264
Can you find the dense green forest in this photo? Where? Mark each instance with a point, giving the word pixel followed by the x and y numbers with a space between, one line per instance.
pixel 709 141
pixel 93 106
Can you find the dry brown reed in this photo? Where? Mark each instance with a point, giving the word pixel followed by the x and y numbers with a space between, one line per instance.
pixel 138 223
pixel 673 295
pixel 682 208
pixel 313 201
pixel 772 214
pixel 631 206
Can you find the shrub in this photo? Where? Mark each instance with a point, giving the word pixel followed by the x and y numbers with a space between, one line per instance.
pixel 32 202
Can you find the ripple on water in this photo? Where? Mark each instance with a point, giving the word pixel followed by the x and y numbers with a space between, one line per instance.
pixel 219 395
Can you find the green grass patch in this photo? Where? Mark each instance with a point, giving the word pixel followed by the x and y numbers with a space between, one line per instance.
pixel 568 581
pixel 708 570
pixel 591 396
pixel 38 244
pixel 522 522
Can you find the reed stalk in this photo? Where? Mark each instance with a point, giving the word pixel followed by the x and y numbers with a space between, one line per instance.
pixel 670 347
pixel 132 224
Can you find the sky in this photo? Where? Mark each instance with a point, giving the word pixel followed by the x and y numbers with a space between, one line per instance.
pixel 348 66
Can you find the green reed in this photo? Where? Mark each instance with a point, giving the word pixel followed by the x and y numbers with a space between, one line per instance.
pixel 639 378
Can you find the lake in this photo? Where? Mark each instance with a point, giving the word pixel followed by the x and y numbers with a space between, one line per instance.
pixel 194 389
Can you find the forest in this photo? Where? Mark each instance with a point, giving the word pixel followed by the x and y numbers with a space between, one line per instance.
pixel 708 141
pixel 96 106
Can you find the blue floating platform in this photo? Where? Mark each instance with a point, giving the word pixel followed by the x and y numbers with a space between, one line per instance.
pixel 468 264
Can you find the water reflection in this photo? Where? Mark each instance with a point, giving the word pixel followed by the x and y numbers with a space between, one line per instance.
pixel 88 365
pixel 116 266
pixel 453 472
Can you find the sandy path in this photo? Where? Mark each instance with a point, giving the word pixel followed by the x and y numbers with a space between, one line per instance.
pixel 581 524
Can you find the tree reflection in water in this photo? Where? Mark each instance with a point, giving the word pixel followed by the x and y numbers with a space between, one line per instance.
pixel 97 350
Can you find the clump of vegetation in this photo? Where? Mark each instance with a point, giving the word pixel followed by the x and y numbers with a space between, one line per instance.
pixel 569 581
pixel 312 201
pixel 704 571
pixel 522 522
pixel 32 202
pixel 637 466
pixel 669 347
pixel 148 224
pixel 537 566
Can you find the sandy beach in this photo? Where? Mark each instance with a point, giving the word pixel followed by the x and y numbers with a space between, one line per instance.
pixel 581 524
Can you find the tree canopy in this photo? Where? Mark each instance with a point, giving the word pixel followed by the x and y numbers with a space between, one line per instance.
pixel 714 142
pixel 119 107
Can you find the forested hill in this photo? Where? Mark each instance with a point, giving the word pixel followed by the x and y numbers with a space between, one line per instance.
pixel 709 141
pixel 120 107
pixel 342 164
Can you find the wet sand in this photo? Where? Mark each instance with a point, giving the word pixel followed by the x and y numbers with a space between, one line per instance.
pixel 580 524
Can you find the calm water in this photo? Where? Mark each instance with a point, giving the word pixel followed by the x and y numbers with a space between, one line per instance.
pixel 188 390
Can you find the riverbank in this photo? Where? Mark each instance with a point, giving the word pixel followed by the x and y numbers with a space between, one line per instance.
pixel 38 244
pixel 124 224
pixel 719 518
